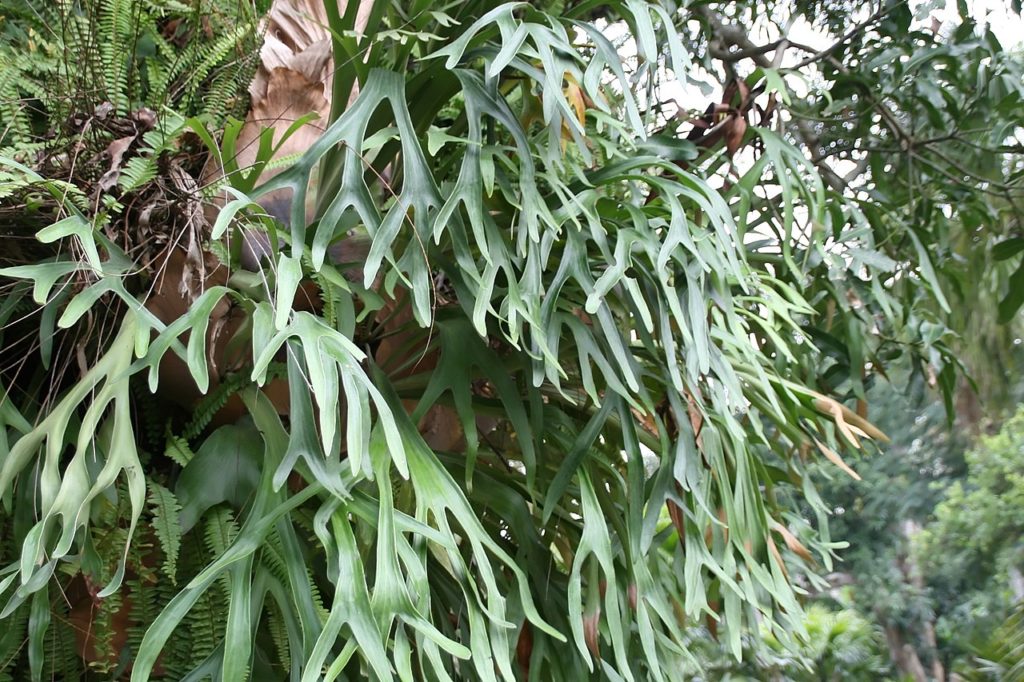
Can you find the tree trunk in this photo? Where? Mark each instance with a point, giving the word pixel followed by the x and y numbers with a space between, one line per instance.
pixel 903 655
pixel 1016 580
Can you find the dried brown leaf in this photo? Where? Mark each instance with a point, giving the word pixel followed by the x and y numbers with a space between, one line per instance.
pixel 734 133
pixel 592 632
pixel 115 151
pixel 524 648
pixel 834 457
pixel 791 541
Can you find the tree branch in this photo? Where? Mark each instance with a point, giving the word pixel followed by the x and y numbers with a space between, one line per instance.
pixel 879 14
pixel 733 35
pixel 752 51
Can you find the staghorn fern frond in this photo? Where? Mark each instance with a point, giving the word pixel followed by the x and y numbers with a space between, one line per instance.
pixel 560 410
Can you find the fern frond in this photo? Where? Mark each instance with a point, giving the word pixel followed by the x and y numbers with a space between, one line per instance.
pixel 145 605
pixel 166 526
pixel 226 94
pixel 206 625
pixel 219 532
pixel 105 626
pixel 136 172
pixel 15 183
pixel 209 56
pixel 178 450
pixel 222 254
pixel 211 404
pixel 63 657
pixel 17 127
pixel 117 50
pixel 213 401
pixel 279 634
pixel 12 642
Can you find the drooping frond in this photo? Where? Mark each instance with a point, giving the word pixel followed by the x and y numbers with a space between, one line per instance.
pixel 489 374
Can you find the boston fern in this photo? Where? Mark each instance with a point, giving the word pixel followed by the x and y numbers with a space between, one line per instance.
pixel 67 56
pixel 519 383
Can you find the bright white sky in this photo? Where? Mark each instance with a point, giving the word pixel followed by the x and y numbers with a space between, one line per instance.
pixel 1007 26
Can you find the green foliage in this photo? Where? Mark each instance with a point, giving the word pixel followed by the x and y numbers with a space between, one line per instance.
pixel 570 407
pixel 1001 655
pixel 21 75
pixel 972 551
pixel 178 450
pixel 947 572
pixel 841 644
pixel 59 59
pixel 924 458
pixel 166 527
pixel 983 516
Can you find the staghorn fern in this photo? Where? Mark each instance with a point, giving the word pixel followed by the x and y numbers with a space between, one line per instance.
pixel 576 405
